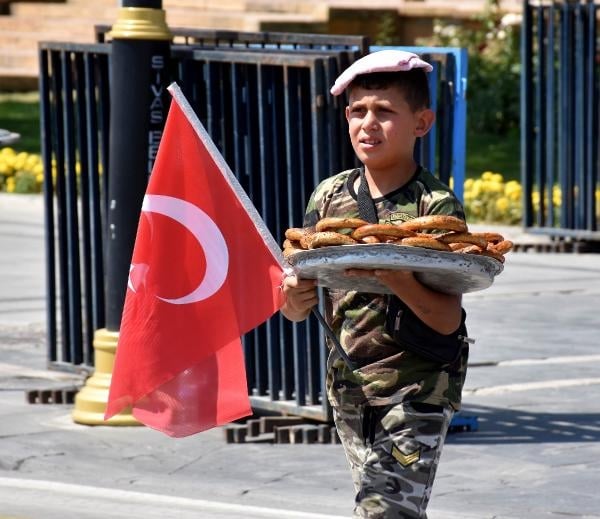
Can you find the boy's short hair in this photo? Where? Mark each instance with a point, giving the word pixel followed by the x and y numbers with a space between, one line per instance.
pixel 412 83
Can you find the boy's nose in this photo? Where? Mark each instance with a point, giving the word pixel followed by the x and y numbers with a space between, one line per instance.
pixel 370 121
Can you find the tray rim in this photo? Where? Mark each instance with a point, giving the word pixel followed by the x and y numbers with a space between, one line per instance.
pixel 410 258
pixel 402 249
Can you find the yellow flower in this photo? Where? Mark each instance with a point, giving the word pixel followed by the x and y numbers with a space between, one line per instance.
pixel 476 188
pixel 20 159
pixel 502 204
pixel 31 161
pixel 7 152
pixel 10 185
pixel 491 186
pixel 512 190
pixel 487 175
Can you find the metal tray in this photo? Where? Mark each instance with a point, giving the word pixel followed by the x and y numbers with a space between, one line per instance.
pixel 448 272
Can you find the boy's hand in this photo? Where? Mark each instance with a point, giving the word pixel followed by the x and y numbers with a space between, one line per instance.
pixel 300 297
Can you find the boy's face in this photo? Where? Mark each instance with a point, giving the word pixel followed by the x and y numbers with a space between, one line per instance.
pixel 383 128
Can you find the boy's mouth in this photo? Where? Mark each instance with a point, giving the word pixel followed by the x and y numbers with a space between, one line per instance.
pixel 369 142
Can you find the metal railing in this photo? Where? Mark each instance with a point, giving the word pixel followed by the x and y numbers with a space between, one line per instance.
pixel 559 118
pixel 264 99
pixel 74 103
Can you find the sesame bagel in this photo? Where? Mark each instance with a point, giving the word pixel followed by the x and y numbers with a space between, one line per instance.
pixel 435 222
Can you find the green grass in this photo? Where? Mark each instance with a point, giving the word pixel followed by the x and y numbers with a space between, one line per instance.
pixel 20 113
pixel 486 152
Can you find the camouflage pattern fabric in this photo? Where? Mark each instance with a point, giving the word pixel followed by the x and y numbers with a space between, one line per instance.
pixel 386 374
pixel 393 453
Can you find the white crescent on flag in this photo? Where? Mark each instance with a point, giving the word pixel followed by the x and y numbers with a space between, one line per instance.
pixel 208 236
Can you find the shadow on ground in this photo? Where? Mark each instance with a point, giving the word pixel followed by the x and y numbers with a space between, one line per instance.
pixel 501 425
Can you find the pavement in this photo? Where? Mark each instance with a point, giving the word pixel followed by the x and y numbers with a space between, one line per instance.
pixel 533 383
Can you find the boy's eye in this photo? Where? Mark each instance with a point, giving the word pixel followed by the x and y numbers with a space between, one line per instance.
pixel 357 110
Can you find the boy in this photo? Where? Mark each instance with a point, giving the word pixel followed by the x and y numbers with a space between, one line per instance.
pixel 393 411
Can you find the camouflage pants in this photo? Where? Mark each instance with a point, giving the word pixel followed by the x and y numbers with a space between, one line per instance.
pixel 393 452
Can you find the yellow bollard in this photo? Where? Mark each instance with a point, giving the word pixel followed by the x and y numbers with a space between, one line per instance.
pixel 90 402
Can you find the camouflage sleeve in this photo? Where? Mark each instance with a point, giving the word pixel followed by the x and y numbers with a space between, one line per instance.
pixel 321 197
pixel 447 205
pixel 312 215
pixel 441 199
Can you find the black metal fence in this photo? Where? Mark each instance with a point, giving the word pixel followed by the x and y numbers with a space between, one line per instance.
pixel 560 113
pixel 74 126
pixel 264 99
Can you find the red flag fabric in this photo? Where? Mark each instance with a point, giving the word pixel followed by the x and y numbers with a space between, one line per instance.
pixel 201 276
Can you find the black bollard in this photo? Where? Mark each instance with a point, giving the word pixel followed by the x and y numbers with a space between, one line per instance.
pixel 138 110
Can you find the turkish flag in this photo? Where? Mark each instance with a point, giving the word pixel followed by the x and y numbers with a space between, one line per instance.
pixel 204 271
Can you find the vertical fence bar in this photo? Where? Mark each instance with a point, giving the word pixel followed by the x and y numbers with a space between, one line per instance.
pixel 252 162
pixel 318 111
pixel 459 119
pixel 543 216
pixel 93 195
pixel 549 94
pixel 241 101
pixel 103 127
pixel 306 121
pixel 225 115
pixel 580 118
pixel 50 248
pixel 593 104
pixel 213 96
pixel 82 147
pixel 568 116
pixel 303 331
pixel 238 93
pixel 73 253
pixel 428 144
pixel 260 200
pixel 294 212
pixel 60 188
pixel 322 125
pixel 526 113
pixel 445 123
pixel 334 116
pixel 273 158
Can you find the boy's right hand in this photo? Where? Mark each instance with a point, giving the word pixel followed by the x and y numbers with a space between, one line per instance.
pixel 300 296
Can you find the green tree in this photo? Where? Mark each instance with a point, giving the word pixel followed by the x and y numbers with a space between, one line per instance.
pixel 492 42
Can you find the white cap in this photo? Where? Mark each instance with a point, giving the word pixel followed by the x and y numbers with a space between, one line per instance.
pixel 380 61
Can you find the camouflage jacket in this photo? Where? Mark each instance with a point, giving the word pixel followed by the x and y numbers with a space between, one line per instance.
pixel 386 373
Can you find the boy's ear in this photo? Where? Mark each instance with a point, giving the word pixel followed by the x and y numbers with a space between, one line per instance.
pixel 424 122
